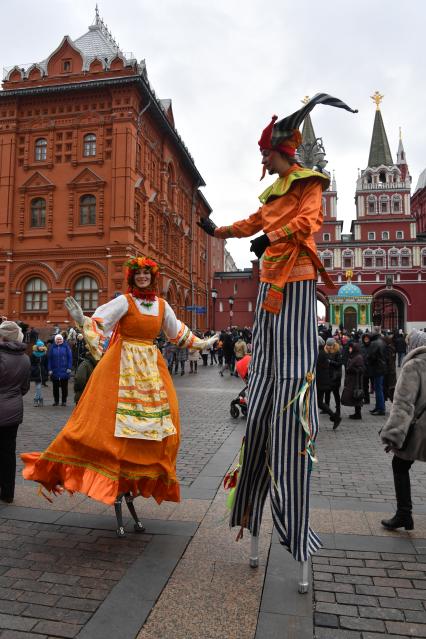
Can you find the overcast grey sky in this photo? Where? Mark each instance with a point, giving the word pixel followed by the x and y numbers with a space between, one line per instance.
pixel 228 65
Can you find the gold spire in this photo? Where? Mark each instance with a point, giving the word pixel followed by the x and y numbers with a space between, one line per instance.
pixel 377 98
pixel 305 99
pixel 400 133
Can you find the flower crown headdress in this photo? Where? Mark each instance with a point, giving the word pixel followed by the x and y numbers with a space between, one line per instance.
pixel 135 264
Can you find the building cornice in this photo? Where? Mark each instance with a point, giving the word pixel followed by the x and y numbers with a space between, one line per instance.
pixel 144 88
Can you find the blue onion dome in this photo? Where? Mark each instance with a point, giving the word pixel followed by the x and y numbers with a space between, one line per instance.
pixel 349 290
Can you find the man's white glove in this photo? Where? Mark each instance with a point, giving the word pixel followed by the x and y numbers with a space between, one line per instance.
pixel 211 341
pixel 75 310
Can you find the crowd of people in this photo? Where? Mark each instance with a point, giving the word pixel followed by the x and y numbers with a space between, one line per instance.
pixel 233 344
pixel 369 360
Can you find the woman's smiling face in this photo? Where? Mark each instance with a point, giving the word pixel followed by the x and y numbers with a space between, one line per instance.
pixel 142 277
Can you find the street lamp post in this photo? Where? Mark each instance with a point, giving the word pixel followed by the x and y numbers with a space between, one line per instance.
pixel 214 296
pixel 231 304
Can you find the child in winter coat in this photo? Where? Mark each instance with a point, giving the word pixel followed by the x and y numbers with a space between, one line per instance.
pixel 39 370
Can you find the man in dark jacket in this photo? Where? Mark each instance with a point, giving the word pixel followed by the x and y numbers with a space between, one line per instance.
pixel 14 382
pixel 367 376
pixel 400 346
pixel 377 364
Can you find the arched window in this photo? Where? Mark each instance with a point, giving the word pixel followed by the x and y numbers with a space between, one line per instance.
pixel 380 258
pixel 38 213
pixel 368 258
pixel 87 209
pixel 424 258
pixel 382 177
pixel 405 257
pixel 41 150
pixel 35 295
pixel 384 204
pixel 89 145
pixel 371 204
pixel 327 259
pixel 86 292
pixel 385 235
pixel 348 258
pixel 394 258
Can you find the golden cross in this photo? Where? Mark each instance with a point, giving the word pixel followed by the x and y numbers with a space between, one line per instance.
pixel 349 275
pixel 377 98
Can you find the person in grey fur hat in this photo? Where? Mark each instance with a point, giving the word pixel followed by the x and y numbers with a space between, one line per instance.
pixel 404 433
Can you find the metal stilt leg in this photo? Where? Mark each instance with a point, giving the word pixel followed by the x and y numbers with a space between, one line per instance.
pixel 138 526
pixel 119 515
pixel 254 552
pixel 304 577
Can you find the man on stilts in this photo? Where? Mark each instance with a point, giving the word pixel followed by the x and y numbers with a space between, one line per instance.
pixel 282 419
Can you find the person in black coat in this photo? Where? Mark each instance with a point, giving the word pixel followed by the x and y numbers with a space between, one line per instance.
pixel 400 346
pixel 39 370
pixel 324 383
pixel 334 354
pixel 377 364
pixel 353 391
pixel 367 377
pixel 389 380
pixel 14 382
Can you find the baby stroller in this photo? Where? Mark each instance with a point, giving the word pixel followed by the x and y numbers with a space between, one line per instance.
pixel 240 403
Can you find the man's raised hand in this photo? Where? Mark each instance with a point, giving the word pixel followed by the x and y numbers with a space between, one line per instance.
pixel 207 225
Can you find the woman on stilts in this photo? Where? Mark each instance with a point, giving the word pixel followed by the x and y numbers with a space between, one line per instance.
pixel 123 436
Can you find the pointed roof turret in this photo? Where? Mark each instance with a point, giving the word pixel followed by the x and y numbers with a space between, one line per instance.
pixel 308 133
pixel 400 156
pixel 379 148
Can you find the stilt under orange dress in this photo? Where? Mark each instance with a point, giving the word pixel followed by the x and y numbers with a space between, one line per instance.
pixel 123 436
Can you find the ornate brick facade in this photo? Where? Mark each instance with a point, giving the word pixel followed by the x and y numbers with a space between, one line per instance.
pixel 92 170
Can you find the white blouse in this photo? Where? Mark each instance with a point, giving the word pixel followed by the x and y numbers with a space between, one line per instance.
pixel 112 312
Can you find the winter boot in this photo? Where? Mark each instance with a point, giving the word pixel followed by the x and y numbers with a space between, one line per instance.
pixel 402 517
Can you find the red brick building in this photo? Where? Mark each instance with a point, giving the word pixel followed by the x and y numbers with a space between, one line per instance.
pixel 236 297
pixel 384 251
pixel 92 170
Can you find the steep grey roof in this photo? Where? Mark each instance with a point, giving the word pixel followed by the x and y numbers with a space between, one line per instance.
pixel 379 149
pixel 95 43
pixel 421 183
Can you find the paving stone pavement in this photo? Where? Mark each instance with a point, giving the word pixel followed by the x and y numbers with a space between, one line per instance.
pixel 64 574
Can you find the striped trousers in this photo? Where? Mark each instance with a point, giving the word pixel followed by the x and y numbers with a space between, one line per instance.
pixel 285 349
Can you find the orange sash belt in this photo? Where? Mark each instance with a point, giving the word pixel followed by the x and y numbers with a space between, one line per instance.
pixel 274 298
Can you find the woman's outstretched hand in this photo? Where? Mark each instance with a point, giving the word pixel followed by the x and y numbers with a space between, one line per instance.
pixel 207 225
pixel 211 341
pixel 74 309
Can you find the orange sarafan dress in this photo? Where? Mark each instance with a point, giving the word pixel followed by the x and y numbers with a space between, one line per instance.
pixel 123 436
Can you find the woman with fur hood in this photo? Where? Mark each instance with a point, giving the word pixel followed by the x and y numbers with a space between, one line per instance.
pixel 407 443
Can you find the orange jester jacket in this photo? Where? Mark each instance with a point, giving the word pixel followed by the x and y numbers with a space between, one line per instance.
pixel 290 214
